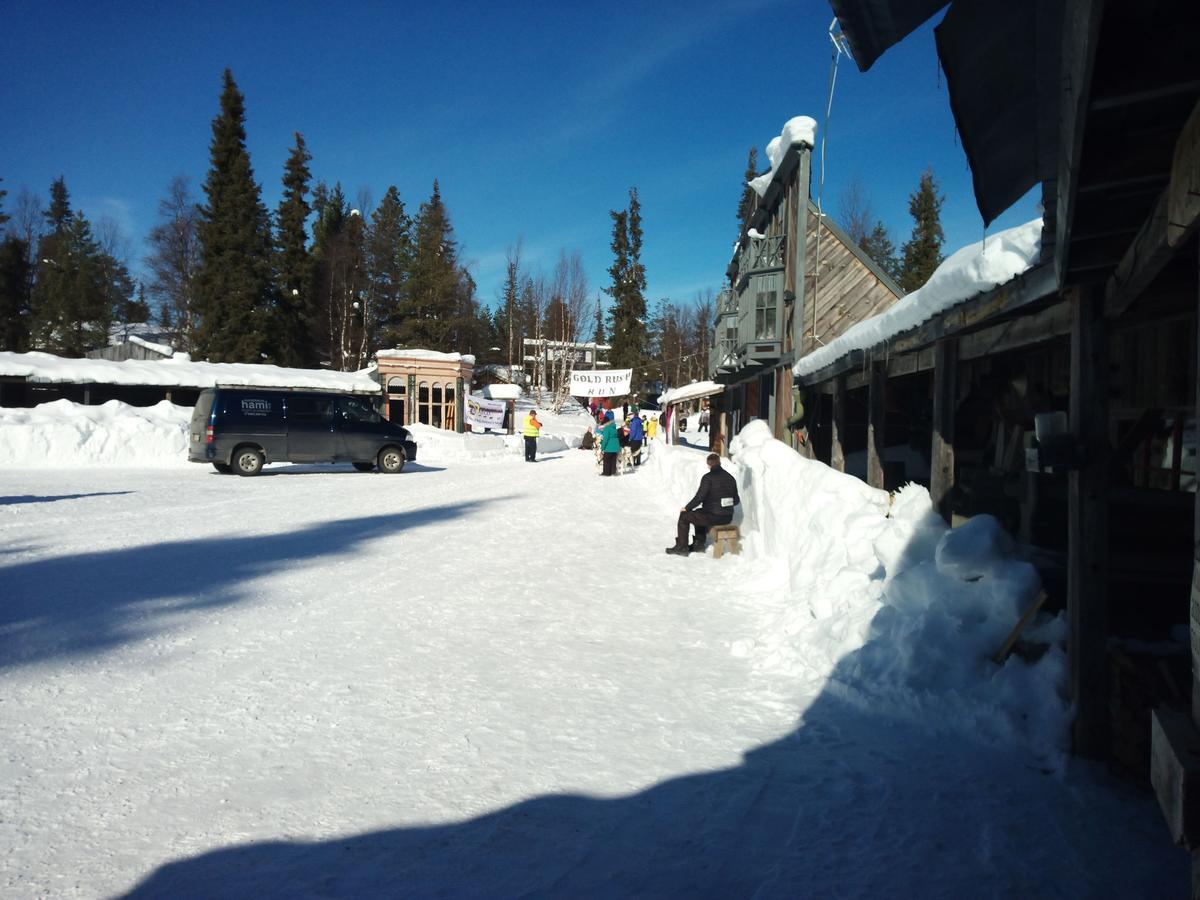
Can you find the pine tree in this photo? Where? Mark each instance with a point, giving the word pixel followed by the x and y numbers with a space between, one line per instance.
pixel 628 313
pixel 389 258
pixel 234 289
pixel 506 326
pixel 878 245
pixel 78 286
pixel 432 305
pixel 3 217
pixel 15 274
pixel 293 275
pixel 923 252
pixel 174 262
pixel 749 199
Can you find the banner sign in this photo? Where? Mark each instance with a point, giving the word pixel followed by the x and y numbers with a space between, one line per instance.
pixel 483 413
pixel 601 383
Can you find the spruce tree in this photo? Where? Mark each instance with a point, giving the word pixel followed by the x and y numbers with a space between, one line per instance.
pixel 293 316
pixel 749 198
pixel 923 252
pixel 431 303
pixel 877 244
pixel 3 217
pixel 628 312
pixel 234 289
pixel 389 259
pixel 78 287
pixel 14 294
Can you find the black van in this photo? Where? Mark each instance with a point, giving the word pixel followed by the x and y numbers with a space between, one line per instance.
pixel 239 429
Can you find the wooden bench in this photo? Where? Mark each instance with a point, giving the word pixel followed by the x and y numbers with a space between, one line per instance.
pixel 724 536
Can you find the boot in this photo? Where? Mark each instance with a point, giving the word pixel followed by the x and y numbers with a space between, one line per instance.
pixel 677 550
pixel 696 547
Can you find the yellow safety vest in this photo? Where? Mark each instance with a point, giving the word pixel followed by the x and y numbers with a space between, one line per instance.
pixel 532 427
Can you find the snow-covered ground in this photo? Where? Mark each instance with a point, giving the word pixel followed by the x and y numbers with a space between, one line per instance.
pixel 484 678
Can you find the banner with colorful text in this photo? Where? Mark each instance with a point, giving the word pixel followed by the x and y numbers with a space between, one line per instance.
pixel 483 413
pixel 601 383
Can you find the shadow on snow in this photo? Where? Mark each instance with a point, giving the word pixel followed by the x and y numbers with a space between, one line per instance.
pixel 33 498
pixel 93 602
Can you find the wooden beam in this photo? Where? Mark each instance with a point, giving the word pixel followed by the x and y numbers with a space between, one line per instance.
pixel 1081 34
pixel 876 413
pixel 1173 220
pixel 837 454
pixel 945 399
pixel 1087 526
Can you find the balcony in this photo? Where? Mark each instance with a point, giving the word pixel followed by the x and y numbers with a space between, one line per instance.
pixel 761 255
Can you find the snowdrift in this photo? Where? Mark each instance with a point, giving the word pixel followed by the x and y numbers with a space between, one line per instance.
pixel 65 434
pixel 886 607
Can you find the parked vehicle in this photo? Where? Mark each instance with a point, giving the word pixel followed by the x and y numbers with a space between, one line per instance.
pixel 241 429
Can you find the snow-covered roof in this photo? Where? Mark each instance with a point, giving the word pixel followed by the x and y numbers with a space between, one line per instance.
pixel 965 274
pixel 501 392
pixel 796 130
pixel 431 355
pixel 177 372
pixel 690 392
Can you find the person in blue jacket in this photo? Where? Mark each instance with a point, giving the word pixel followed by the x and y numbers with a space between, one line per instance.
pixel 637 434
pixel 610 444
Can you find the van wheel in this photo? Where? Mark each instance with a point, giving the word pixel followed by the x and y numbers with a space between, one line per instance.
pixel 364 467
pixel 247 460
pixel 223 468
pixel 390 460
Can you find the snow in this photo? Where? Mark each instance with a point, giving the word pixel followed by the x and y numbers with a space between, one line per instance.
pixel 65 434
pixel 690 392
pixel 755 233
pixel 432 355
pixel 501 391
pixel 164 349
pixel 796 130
pixel 180 371
pixel 968 272
pixel 484 678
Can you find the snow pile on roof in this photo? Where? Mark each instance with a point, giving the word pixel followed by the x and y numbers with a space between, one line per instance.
pixel 797 130
pixel 970 271
pixel 430 355
pixel 690 392
pixel 164 349
pixel 888 608
pixel 501 391
pixel 177 372
pixel 65 434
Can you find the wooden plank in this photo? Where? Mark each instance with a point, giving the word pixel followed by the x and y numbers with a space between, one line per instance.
pixel 1026 617
pixel 837 457
pixel 1021 332
pixel 945 400
pixel 1173 220
pixel 1081 34
pixel 1087 526
pixel 876 412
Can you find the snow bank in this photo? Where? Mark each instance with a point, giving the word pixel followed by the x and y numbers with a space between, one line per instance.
pixel 432 355
pixel 180 371
pixel 968 272
pixel 65 434
pixel 887 607
pixel 797 130
pixel 164 349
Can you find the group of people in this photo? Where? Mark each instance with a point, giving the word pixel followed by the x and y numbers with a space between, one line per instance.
pixel 633 433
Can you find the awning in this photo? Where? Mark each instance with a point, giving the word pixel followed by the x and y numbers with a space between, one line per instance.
pixel 693 391
pixel 871 26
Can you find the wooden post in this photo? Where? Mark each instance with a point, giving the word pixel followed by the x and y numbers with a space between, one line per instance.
pixel 512 416
pixel 1087 524
pixel 837 452
pixel 875 423
pixel 945 398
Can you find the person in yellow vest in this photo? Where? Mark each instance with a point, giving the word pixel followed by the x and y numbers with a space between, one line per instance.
pixel 651 427
pixel 533 428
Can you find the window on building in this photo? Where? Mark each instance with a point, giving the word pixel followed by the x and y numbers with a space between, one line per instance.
pixel 397 398
pixel 764 316
pixel 448 405
pixel 423 415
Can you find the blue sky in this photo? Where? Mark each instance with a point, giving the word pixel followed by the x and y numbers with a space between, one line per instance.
pixel 536 118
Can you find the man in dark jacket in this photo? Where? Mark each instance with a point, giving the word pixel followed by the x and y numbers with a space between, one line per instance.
pixel 716 498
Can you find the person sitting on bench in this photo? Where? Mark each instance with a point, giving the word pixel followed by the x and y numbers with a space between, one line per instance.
pixel 716 498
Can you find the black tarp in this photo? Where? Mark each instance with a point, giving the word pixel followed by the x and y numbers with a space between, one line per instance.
pixel 871 26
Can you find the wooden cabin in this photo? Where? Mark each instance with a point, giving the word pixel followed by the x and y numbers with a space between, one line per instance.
pixel 1099 104
pixel 785 296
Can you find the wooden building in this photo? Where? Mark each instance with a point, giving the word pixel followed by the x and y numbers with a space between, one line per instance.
pixel 785 296
pixel 424 386
pixel 1064 401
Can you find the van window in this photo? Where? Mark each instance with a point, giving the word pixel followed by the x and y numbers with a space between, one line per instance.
pixel 356 410
pixel 248 408
pixel 309 410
